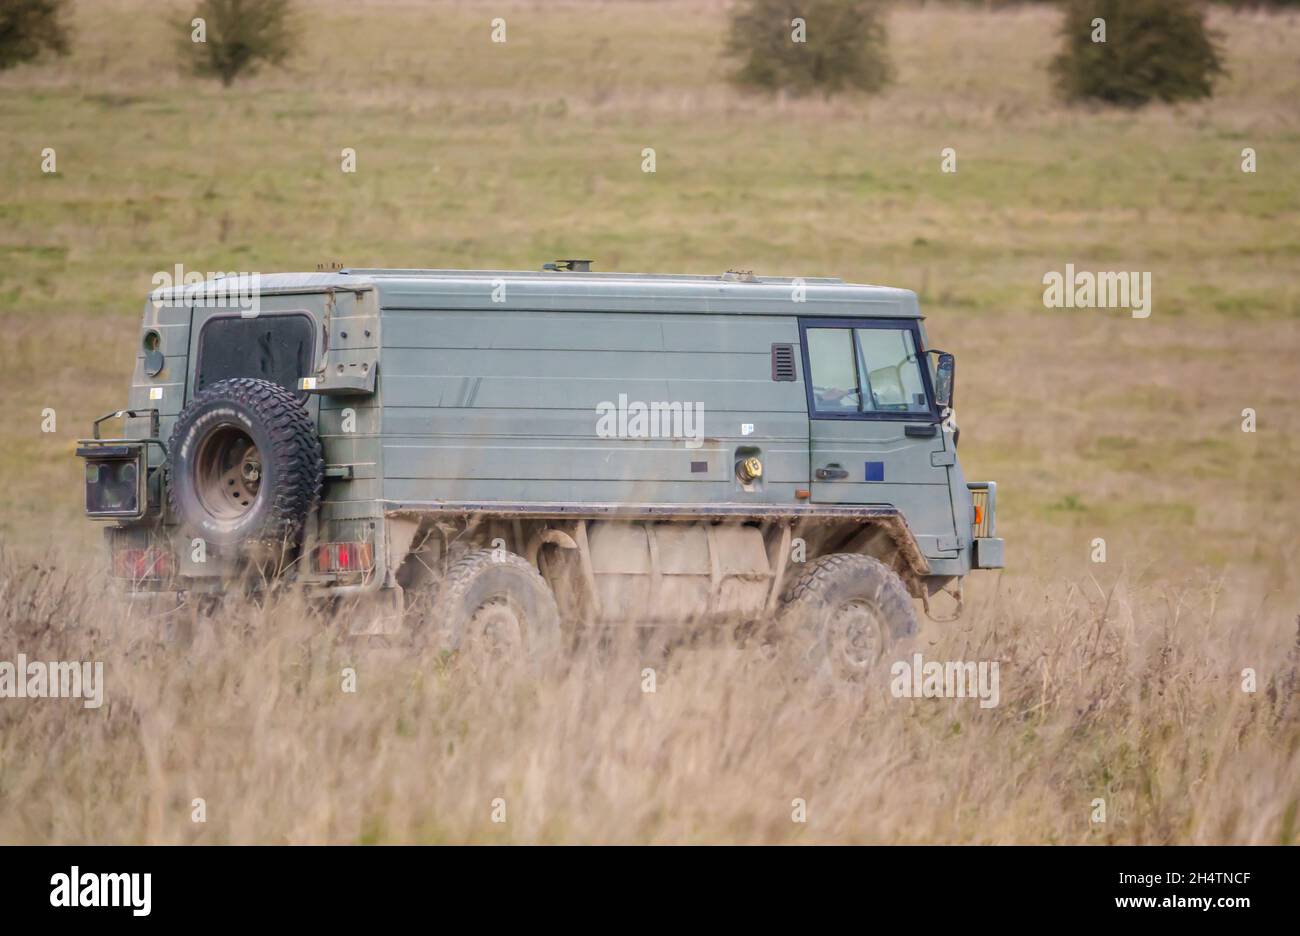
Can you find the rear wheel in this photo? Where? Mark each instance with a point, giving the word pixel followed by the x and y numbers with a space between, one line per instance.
pixel 495 605
pixel 844 611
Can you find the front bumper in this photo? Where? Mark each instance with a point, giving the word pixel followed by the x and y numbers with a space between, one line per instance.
pixel 989 553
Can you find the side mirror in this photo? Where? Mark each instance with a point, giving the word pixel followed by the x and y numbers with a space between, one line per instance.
pixel 944 373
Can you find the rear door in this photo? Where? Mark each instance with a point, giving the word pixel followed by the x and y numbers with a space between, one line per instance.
pixel 874 433
pixel 281 342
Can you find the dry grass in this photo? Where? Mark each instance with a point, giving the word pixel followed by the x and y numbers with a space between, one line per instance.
pixel 1133 697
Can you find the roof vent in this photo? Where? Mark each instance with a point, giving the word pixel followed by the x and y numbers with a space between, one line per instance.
pixel 569 266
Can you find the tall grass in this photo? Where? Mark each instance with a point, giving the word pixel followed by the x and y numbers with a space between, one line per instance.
pixel 1133 697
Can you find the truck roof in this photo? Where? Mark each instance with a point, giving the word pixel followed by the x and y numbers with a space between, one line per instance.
pixel 563 291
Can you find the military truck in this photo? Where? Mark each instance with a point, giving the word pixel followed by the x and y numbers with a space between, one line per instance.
pixel 529 451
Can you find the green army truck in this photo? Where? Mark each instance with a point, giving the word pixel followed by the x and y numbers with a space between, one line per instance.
pixel 531 451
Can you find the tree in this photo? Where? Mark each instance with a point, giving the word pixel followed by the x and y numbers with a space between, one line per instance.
pixel 236 36
pixel 1152 49
pixel 30 27
pixel 804 46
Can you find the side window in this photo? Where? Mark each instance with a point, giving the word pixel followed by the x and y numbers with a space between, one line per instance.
pixel 277 348
pixel 832 370
pixel 865 372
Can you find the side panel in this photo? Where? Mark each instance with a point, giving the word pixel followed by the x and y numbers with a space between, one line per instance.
pixel 486 405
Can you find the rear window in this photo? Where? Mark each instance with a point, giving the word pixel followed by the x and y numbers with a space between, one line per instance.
pixel 277 348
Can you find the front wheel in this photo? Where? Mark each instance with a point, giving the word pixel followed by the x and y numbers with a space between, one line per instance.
pixel 843 612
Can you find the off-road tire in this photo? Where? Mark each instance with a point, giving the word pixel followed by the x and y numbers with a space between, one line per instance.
pixel 292 467
pixel 840 584
pixel 484 579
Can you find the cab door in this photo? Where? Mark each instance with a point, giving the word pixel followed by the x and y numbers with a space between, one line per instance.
pixel 874 433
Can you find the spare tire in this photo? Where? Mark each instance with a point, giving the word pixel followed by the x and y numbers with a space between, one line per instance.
pixel 244 465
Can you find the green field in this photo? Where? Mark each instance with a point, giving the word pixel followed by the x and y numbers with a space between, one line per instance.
pixel 474 154
pixel 477 154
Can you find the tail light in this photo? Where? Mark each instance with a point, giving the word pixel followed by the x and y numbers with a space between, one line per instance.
pixel 344 557
pixel 142 564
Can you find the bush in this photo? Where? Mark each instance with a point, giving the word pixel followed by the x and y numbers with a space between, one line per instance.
pixel 843 47
pixel 30 27
pixel 240 36
pixel 1154 49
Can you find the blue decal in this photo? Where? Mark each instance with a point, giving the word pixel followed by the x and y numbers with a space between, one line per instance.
pixel 875 471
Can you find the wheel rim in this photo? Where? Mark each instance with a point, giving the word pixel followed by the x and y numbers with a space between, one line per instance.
pixel 855 635
pixel 228 473
pixel 497 628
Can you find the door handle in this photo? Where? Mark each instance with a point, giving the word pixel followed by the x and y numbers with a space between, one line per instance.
pixel 831 473
pixel 928 431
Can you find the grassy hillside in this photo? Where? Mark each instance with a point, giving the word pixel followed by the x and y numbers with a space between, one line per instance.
pixel 477 154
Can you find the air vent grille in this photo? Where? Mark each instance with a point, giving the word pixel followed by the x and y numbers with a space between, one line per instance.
pixel 783 362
